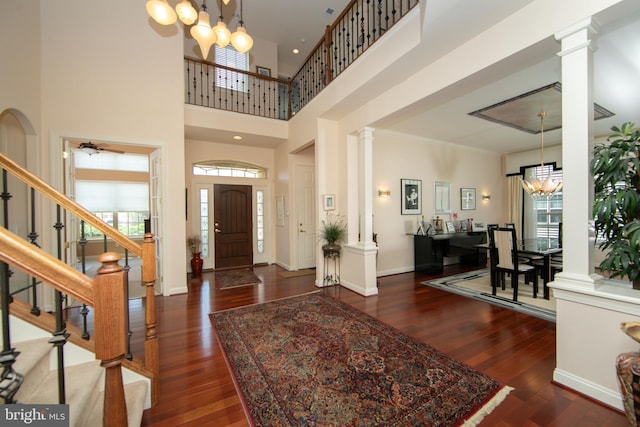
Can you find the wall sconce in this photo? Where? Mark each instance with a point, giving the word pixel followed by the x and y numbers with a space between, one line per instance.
pixel 384 193
pixel 486 197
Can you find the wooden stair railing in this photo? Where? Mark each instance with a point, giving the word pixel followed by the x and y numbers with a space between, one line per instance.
pixel 106 293
pixel 76 284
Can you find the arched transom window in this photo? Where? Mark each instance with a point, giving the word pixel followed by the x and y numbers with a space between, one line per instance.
pixel 229 168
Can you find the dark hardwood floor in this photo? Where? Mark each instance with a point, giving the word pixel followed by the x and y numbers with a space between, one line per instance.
pixel 197 390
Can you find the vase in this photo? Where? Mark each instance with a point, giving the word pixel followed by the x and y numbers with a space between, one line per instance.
pixel 196 264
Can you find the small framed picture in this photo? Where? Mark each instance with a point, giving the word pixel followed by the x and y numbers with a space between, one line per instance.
pixel 467 199
pixel 450 227
pixel 411 190
pixel 479 226
pixel 329 202
pixel 263 71
pixel 463 225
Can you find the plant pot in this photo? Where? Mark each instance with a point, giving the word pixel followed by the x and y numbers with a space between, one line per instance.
pixel 331 247
pixel 196 264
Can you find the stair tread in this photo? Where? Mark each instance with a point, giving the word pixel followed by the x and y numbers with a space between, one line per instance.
pixel 31 352
pixel 79 379
pixel 134 394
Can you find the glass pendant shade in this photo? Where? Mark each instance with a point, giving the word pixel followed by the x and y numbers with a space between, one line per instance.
pixel 223 34
pixel 536 188
pixel 186 12
pixel 161 12
pixel 540 190
pixel 203 33
pixel 241 40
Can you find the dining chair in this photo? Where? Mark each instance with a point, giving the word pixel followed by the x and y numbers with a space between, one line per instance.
pixel 524 259
pixel 504 246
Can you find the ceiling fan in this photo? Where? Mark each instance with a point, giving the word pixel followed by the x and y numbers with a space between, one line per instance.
pixel 91 148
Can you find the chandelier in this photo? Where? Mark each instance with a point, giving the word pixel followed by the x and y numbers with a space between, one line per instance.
pixel 202 32
pixel 541 189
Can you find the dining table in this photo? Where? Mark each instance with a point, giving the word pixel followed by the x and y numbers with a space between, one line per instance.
pixel 545 247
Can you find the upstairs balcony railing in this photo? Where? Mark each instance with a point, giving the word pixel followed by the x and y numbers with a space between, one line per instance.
pixel 357 28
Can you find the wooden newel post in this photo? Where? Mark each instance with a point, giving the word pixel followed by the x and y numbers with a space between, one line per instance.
pixel 328 76
pixel 151 361
pixel 110 313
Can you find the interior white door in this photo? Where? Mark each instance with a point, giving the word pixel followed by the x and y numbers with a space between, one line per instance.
pixel 306 218
pixel 72 227
pixel 155 193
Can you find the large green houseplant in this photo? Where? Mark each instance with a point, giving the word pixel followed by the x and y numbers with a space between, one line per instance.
pixel 616 208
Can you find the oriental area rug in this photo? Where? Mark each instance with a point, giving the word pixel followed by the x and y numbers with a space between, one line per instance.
pixel 235 278
pixel 477 285
pixel 312 360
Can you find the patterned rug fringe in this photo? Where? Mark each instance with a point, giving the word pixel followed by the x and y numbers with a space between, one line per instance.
pixel 488 407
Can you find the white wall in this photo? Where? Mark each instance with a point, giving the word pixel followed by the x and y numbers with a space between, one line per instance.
pixel 92 71
pixel 514 161
pixel 396 157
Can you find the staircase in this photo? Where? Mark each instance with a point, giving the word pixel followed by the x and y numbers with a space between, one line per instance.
pixel 84 378
pixel 100 379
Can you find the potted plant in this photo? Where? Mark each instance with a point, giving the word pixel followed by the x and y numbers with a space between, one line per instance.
pixel 195 246
pixel 616 207
pixel 332 230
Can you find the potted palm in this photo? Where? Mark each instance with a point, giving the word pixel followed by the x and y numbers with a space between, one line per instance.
pixel 616 207
pixel 332 230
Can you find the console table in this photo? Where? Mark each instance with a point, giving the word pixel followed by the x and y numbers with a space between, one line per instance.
pixel 429 251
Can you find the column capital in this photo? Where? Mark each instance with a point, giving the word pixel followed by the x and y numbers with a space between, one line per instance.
pixel 577 36
pixel 366 132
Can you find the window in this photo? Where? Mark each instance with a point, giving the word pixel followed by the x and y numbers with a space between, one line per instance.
pixel 231 169
pixel 547 212
pixel 260 220
pixel 204 221
pixel 231 58
pixel 122 205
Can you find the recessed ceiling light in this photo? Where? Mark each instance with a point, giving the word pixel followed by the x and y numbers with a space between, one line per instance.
pixel 295 51
pixel 237 137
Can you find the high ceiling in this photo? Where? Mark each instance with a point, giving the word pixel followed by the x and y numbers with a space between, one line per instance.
pixel 616 66
pixel 290 24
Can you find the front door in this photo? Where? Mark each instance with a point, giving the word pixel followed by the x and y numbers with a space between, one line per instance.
pixel 232 225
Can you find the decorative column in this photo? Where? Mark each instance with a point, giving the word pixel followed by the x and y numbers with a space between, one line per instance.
pixel 359 256
pixel 577 144
pixel 365 187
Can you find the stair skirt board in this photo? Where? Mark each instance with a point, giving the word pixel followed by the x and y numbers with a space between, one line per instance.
pixel 38 361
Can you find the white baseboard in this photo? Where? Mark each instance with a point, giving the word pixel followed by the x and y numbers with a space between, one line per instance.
pixel 607 396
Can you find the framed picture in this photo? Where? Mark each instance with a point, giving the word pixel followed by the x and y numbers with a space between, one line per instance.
pixel 450 227
pixel 329 202
pixel 411 200
pixel 263 71
pixel 280 211
pixel 441 198
pixel 467 199
pixel 463 225
pixel 479 226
